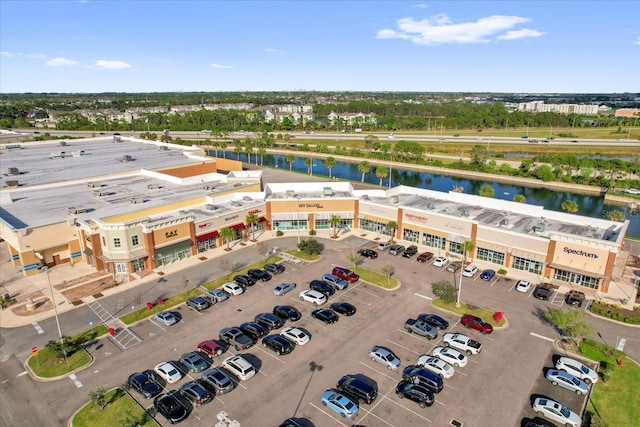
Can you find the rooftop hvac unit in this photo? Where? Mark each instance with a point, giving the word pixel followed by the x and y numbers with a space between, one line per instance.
pixel 327 191
pixel 505 221
pixel 394 199
pixel 465 212
pixel 126 158
pixel 62 143
pixel 365 197
pixel 235 203
pixel 247 198
pixel 94 185
pixel 14 171
pixel 164 148
pixel 12 183
pixel 539 227
pixel 71 221
pixel 431 206
pixel 152 186
pixel 211 207
pixel 100 193
pixel 136 200
pixel 206 187
pixel 73 211
pixel 291 193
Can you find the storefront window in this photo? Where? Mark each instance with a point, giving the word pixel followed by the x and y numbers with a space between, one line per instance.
pixel 527 265
pixel 205 245
pixel 138 264
pixel 322 224
pixel 491 256
pixel 455 247
pixel 411 235
pixel 577 279
pixel 121 267
pixel 290 225
pixel 374 226
pixel 434 241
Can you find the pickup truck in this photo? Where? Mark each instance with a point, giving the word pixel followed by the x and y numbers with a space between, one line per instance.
pixel 462 343
pixel 421 328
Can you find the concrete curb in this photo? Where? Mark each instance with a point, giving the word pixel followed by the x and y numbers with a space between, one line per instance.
pixel 60 377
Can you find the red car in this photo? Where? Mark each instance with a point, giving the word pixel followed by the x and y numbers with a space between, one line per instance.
pixel 345 274
pixel 210 348
pixel 425 256
pixel 474 322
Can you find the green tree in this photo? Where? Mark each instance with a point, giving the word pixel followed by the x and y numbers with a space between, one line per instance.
pixel 310 247
pixel 520 198
pixel 61 348
pixel 388 270
pixel 98 397
pixel 545 173
pixel 365 168
pixel 615 215
pixel 571 323
pixel 289 158
pixel 330 163
pixel 252 220
pixel 479 155
pixel 354 258
pixel 227 235
pixel 444 290
pixel 223 148
pixel 371 142
pixel 382 172
pixel 392 225
pixel 570 206
pixel 237 149
pixel 262 151
pixel 309 163
pixel 335 221
pixel 487 191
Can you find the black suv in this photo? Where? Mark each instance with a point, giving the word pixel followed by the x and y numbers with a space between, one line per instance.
pixel 322 286
pixel 280 345
pixel 361 390
pixel 244 280
pixel 253 330
pixel 261 275
pixel 410 251
pixel 416 392
pixel 543 292
pixel 171 407
pixel 418 375
pixel 575 298
pixel 287 312
pixel 269 321
pixel 145 383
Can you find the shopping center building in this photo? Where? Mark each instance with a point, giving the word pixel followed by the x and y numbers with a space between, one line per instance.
pixel 125 205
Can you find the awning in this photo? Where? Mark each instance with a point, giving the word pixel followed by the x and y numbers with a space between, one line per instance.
pixel 576 270
pixel 262 219
pixel 123 256
pixel 88 251
pixel 237 226
pixel 173 242
pixel 328 215
pixel 456 238
pixel 206 236
pixel 288 217
pixel 528 255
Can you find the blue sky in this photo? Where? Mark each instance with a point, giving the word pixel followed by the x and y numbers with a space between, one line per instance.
pixel 448 46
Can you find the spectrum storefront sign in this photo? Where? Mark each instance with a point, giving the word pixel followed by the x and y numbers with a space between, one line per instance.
pixel 579 252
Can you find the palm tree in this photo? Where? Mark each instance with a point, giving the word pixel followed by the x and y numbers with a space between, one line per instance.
pixel 223 148
pixel 382 172
pixel 330 163
pixel 248 148
pixel 487 191
pixel 237 149
pixel 335 221
pixel 392 225
pixel 309 163
pixel 365 168
pixel 570 206
pixel 467 246
pixel 289 158
pixel 252 220
pixel 262 151
pixel 227 235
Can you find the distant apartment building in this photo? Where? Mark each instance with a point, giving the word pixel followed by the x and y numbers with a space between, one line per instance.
pixel 541 107
pixel 628 112
pixel 352 118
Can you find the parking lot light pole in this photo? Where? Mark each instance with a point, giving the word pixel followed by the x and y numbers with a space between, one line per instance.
pixel 298 217
pixel 55 311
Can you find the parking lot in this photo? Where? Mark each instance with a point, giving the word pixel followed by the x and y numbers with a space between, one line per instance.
pixel 495 388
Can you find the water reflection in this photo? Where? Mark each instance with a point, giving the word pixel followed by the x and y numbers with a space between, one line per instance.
pixel 591 206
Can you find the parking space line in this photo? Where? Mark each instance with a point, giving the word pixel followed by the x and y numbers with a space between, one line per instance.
pixel 362 290
pixel 373 415
pixel 413 412
pixel 381 373
pixel 422 296
pixel 399 345
pixel 416 336
pixel 268 353
pixel 158 325
pixel 327 414
pixel 555 296
pixel 541 337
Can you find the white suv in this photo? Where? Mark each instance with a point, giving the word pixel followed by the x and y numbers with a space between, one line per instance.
pixel 469 270
pixel 383 246
pixel 314 297
pixel 240 367
pixel 577 369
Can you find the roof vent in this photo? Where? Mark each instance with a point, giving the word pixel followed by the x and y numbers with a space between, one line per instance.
pixel 206 187
pixel 394 199
pixel 153 186
pixel 14 171
pixel 12 183
pixel 539 227
pixel 505 221
pixel 465 212
pixel 365 197
pixel 126 158
pixel 431 206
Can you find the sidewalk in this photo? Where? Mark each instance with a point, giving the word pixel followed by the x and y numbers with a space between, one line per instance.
pixel 44 288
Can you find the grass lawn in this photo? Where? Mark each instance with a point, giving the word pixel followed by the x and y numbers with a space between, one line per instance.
pixel 484 314
pixel 168 303
pixel 303 255
pixel 120 409
pixel 47 364
pixel 616 400
pixel 377 279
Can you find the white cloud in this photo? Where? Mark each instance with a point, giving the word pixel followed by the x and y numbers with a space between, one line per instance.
pixel 36 56
pixel 637 41
pixel 218 66
pixel 421 6
pixel 440 29
pixel 269 50
pixel 61 62
pixel 111 65
pixel 6 54
pixel 520 34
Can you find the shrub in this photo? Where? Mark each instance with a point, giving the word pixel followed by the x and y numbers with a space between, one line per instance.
pixel 279 233
pixel 446 291
pixel 312 232
pixel 502 272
